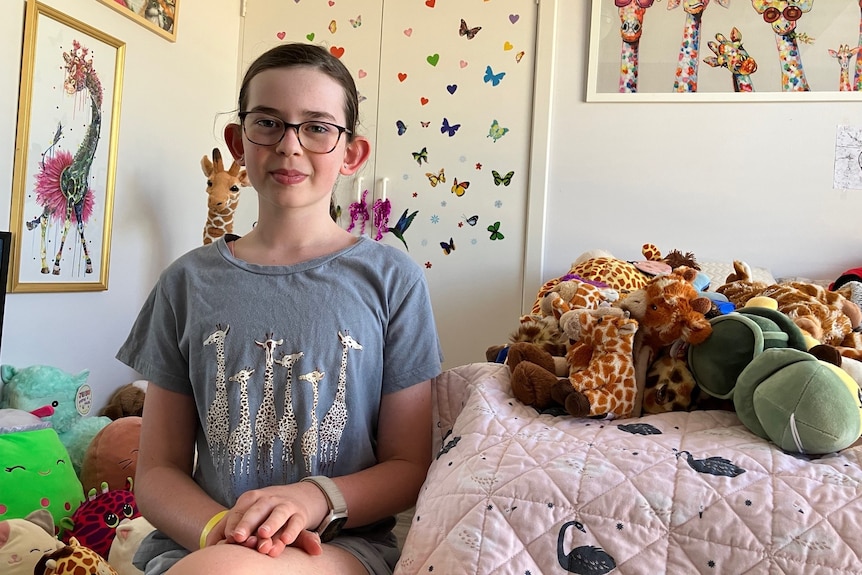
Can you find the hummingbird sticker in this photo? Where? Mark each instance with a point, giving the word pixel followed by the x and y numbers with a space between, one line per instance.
pixel 401 226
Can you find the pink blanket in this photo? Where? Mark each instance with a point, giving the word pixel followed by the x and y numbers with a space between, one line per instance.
pixel 513 491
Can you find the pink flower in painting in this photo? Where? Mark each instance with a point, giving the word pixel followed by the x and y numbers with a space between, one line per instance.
pixel 48 192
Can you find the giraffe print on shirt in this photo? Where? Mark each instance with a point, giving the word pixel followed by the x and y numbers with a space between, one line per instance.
pixel 265 423
pixel 218 415
pixel 335 419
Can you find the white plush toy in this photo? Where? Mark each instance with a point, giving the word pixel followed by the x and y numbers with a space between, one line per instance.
pixel 129 535
pixel 24 541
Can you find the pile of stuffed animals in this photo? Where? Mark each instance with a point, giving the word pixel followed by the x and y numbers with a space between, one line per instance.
pixel 66 496
pixel 617 339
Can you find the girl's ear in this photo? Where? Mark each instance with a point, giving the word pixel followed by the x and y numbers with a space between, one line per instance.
pixel 233 138
pixel 355 155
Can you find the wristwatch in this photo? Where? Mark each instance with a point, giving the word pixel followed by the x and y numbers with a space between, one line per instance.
pixel 337 516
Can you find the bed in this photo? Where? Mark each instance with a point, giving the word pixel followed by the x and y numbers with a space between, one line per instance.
pixel 512 490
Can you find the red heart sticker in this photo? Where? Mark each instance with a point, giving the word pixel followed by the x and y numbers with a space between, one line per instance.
pixel 423 100
pixel 336 51
pixel 402 76
pixel 280 35
pixel 430 3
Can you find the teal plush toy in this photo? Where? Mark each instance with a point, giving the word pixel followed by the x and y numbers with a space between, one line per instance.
pixel 800 403
pixel 35 387
pixel 35 471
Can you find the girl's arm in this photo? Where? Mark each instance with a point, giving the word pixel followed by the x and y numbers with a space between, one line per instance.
pixel 164 489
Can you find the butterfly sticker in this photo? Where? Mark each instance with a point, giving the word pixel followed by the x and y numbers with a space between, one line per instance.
pixel 465 30
pixel 357 22
pixel 434 179
pixel 333 27
pixel 495 231
pixel 497 131
pixel 493 78
pixel 425 124
pixel 518 56
pixel 448 248
pixel 472 220
pixel 402 127
pixel 401 226
pixel 505 180
pixel 459 188
pixel 447 128
pixel 421 155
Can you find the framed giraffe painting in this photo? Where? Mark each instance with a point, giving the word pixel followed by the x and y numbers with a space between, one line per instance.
pixel 725 50
pixel 159 16
pixel 65 154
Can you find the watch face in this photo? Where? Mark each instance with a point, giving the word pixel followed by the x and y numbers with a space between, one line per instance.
pixel 332 528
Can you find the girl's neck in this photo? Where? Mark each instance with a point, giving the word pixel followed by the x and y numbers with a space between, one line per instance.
pixel 288 243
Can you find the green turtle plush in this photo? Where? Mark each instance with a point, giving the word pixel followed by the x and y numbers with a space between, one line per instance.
pixel 800 403
pixel 737 338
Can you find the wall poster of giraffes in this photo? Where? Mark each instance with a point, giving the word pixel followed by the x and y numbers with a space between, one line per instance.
pixel 725 50
pixel 65 154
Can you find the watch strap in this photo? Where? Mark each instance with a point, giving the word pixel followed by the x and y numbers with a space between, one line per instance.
pixel 334 498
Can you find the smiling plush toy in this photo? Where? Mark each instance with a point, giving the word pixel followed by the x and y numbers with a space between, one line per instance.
pixel 24 541
pixel 35 387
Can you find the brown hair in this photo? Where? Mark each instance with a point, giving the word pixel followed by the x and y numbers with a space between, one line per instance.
pixel 298 54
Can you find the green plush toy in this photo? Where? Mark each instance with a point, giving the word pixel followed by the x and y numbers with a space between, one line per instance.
pixel 800 403
pixel 35 471
pixel 35 387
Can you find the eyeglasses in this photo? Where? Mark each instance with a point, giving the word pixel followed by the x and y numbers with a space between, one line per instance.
pixel 791 14
pixel 314 136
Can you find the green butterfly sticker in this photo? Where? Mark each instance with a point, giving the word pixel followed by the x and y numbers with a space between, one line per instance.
pixel 496 131
pixel 495 231
pixel 505 180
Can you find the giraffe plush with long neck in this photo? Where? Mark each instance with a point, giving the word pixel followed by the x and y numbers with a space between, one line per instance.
pixel 632 14
pixel 731 54
pixel 843 55
pixel 223 191
pixel 62 183
pixel 783 16
pixel 689 51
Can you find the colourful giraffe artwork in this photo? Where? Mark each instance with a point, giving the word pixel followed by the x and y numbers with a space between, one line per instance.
pixel 843 55
pixel 730 54
pixel 62 182
pixel 685 79
pixel 783 16
pixel 632 14
pixel 858 76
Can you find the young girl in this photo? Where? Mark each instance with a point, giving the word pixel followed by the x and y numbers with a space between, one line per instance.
pixel 280 359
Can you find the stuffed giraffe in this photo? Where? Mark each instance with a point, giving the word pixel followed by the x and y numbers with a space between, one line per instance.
pixel 223 190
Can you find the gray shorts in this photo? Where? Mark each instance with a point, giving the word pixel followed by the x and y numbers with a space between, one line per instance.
pixel 158 552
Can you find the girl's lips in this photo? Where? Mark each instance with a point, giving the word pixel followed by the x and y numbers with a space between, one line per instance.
pixel 288 177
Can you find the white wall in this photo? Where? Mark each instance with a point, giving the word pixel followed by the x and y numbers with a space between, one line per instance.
pixel 173 98
pixel 722 180
pixel 750 181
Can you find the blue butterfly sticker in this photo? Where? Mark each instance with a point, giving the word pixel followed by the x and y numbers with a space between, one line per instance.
pixel 402 127
pixel 447 128
pixel 448 248
pixel 493 78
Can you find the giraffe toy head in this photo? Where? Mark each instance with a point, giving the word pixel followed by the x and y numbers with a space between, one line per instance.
pixel 223 187
pixel 731 54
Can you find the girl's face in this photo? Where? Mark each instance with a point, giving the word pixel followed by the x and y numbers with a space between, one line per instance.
pixel 285 174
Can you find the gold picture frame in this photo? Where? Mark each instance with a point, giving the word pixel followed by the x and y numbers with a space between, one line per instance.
pixel 65 154
pixel 684 51
pixel 159 16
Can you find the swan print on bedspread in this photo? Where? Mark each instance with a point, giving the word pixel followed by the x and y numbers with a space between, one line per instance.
pixel 516 491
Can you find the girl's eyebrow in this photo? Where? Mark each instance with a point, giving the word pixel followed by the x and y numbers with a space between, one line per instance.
pixel 310 114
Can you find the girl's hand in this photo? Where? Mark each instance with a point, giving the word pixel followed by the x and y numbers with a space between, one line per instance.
pixel 273 518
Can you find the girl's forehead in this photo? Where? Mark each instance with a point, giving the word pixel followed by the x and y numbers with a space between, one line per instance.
pixel 301 86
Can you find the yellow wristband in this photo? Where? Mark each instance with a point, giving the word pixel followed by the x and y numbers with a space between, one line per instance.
pixel 209 526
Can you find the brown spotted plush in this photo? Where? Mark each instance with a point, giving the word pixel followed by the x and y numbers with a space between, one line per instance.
pixel 73 559
pixel 826 316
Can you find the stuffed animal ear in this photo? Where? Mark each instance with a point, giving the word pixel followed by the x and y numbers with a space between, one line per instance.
pixel 701 304
pixel 206 166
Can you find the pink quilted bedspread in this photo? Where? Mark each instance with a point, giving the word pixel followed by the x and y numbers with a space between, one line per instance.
pixel 517 492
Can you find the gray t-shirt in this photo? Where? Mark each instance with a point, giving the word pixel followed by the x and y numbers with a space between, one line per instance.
pixel 287 364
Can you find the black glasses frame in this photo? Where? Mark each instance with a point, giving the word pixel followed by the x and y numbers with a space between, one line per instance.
pixel 296 127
